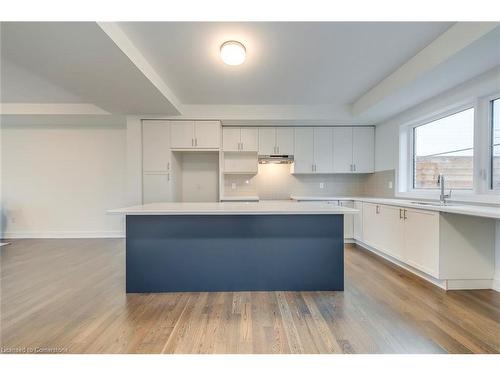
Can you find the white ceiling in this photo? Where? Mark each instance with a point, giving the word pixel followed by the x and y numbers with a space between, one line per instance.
pixel 80 59
pixel 295 73
pixel 287 63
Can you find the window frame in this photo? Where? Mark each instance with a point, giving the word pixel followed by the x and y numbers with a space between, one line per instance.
pixel 482 191
pixel 443 115
pixel 490 100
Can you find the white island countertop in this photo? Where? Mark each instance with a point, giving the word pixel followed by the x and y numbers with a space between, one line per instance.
pixel 489 211
pixel 285 207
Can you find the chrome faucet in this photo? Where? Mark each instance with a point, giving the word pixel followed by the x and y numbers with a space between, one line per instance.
pixel 442 195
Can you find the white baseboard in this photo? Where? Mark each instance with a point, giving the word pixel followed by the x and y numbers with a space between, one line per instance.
pixel 63 234
pixel 496 285
pixel 443 284
pixel 469 284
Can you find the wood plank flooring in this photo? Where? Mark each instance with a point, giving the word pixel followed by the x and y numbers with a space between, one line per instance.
pixel 68 296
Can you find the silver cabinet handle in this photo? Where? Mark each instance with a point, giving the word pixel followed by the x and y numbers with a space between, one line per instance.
pixel 400 213
pixel 196 141
pixel 168 166
pixel 354 166
pixel 377 209
pixel 192 142
pixel 404 216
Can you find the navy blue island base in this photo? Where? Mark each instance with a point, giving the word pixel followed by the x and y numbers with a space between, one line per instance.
pixel 198 253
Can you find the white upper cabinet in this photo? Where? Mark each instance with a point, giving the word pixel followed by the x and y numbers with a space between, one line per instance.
pixel 363 149
pixel 313 150
pixel 342 150
pixel 182 134
pixel 155 146
pixel 249 139
pixel 304 150
pixel 274 141
pixel 231 139
pixel 207 134
pixel 353 149
pixel 267 141
pixel 323 150
pixel 284 141
pixel 195 134
pixel 240 139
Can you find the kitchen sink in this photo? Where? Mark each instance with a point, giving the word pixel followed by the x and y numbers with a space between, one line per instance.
pixel 436 204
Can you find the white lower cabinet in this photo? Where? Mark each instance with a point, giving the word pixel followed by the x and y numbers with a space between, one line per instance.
pixel 403 234
pixel 348 220
pixel 421 240
pixel 371 225
pixel 391 221
pixel 357 222
pixel 449 247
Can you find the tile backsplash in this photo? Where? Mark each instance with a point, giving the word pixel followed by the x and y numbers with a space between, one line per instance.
pixel 377 184
pixel 274 181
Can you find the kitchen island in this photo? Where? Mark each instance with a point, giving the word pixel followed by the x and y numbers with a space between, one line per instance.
pixel 234 246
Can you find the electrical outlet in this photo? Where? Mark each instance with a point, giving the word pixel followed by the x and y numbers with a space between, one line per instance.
pixel 390 184
pixel 233 185
pixel 321 185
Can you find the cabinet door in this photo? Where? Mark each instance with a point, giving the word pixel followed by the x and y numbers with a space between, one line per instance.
pixel 284 141
pixel 155 146
pixel 207 134
pixel 391 231
pixel 348 220
pixel 304 150
pixel 421 241
pixel 267 141
pixel 371 225
pixel 155 188
pixel 363 150
pixel 358 222
pixel 342 150
pixel 250 139
pixel 182 134
pixel 323 150
pixel 231 139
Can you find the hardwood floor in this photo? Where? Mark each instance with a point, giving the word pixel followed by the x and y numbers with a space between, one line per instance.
pixel 68 296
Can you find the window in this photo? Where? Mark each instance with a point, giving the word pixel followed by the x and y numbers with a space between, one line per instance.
pixel 445 146
pixel 495 144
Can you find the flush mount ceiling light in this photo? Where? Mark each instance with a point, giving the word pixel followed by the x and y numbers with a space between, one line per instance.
pixel 233 52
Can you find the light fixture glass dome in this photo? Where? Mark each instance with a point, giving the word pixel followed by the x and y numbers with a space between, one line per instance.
pixel 233 53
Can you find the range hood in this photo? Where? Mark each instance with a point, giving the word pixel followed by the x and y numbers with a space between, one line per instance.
pixel 275 159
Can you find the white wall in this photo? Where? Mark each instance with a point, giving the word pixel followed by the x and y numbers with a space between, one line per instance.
pixel 59 178
pixel 387 133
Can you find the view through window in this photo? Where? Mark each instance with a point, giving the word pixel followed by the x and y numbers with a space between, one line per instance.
pixel 445 146
pixel 495 144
